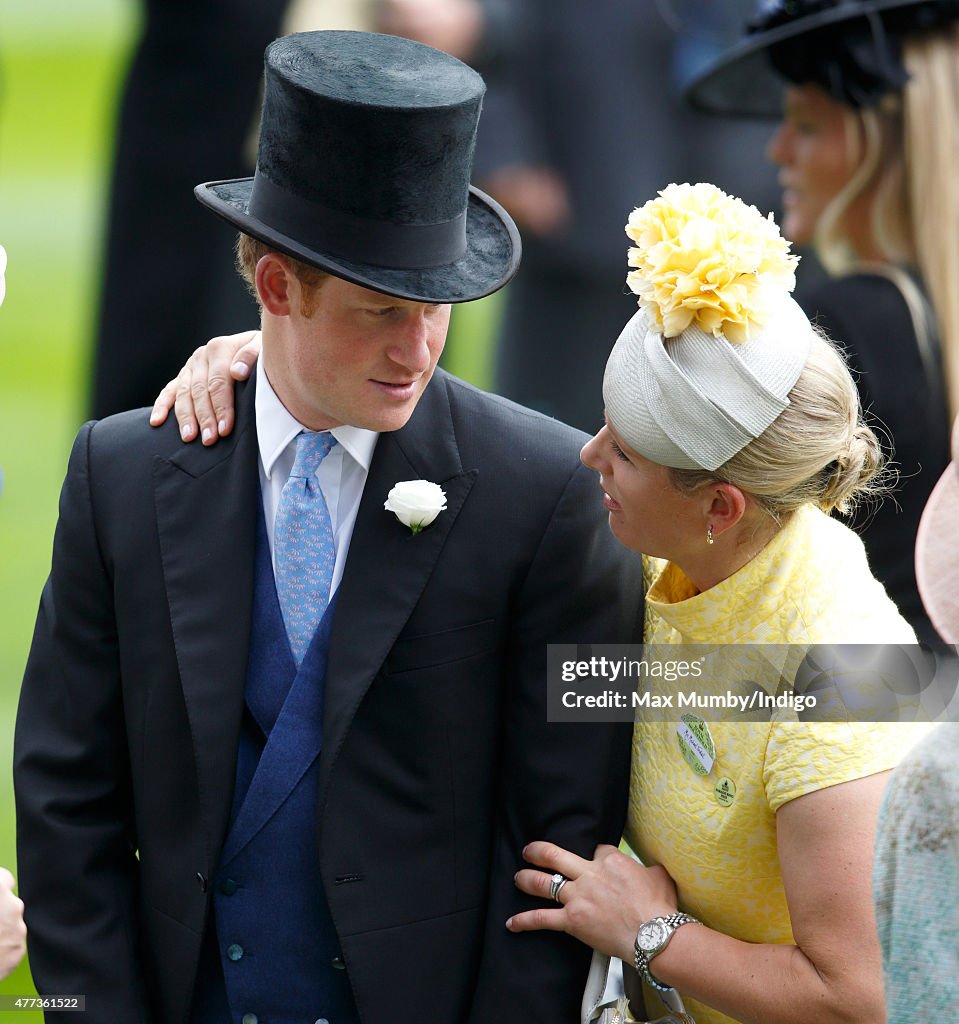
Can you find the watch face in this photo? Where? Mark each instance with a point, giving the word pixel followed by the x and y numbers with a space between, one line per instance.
pixel 652 935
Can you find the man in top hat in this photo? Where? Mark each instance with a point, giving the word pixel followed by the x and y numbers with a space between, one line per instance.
pixel 278 752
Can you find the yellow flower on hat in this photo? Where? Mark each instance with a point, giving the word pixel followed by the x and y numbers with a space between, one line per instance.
pixel 706 257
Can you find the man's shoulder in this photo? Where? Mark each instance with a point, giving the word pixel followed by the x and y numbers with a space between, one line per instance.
pixel 130 429
pixel 125 447
pixel 486 421
pixel 128 436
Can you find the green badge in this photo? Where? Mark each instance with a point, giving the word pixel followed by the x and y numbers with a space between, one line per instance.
pixel 725 791
pixel 696 744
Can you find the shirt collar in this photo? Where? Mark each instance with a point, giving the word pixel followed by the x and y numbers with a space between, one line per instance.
pixel 276 427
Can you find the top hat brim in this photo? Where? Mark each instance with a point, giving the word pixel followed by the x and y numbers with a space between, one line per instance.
pixel 491 258
pixel 742 81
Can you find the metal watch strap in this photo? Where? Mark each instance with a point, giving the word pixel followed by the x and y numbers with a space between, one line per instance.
pixel 642 959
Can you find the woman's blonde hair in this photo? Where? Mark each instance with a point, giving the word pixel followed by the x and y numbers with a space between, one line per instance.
pixel 817 451
pixel 907 148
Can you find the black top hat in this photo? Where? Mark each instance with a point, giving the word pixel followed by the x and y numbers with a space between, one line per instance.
pixel 366 147
pixel 851 48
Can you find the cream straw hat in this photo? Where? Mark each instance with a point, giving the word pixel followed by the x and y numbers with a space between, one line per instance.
pixel 708 362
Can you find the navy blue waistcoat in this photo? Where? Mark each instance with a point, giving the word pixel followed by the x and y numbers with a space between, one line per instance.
pixel 273 956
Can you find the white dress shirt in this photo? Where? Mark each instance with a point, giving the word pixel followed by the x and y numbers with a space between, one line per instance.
pixel 341 475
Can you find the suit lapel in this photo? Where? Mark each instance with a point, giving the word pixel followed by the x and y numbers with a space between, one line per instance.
pixel 206 507
pixel 388 566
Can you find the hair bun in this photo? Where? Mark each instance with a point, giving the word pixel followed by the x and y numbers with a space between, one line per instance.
pixel 849 475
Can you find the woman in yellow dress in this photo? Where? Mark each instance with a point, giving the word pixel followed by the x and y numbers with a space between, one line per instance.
pixel 732 430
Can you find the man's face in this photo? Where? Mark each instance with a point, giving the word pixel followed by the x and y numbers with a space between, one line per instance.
pixel 361 358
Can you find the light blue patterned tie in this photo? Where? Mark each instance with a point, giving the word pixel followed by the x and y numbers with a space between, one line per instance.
pixel 303 544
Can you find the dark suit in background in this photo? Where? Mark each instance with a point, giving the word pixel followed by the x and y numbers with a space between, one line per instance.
pixel 589 93
pixel 189 103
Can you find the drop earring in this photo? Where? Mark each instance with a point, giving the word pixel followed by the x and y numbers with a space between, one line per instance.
pixel 709 534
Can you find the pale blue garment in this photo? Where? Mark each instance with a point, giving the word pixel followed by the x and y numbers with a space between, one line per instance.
pixel 916 883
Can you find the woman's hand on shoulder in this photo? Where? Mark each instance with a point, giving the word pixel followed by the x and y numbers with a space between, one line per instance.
pixel 604 902
pixel 201 395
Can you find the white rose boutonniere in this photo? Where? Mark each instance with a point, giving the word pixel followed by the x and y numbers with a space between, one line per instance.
pixel 416 503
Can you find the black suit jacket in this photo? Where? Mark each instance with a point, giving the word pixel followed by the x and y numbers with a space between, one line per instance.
pixel 438 762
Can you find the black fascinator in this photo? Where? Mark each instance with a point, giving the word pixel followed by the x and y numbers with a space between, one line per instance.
pixel 851 48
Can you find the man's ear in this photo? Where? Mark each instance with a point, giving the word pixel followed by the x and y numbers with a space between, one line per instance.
pixel 726 506
pixel 274 284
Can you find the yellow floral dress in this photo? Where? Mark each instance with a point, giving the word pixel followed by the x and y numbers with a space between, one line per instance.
pixel 716 834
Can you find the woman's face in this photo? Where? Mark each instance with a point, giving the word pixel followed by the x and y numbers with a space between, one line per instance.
pixel 812 150
pixel 646 512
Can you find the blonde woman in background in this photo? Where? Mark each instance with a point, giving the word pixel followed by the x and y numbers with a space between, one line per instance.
pixel 868 148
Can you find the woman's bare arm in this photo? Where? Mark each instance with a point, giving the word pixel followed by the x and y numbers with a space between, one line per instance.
pixel 833 975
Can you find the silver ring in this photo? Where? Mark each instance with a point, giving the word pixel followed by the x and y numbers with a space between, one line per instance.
pixel 556 884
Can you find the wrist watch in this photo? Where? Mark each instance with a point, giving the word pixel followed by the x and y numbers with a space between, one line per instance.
pixel 652 938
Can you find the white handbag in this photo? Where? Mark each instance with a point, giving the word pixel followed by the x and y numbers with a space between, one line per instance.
pixel 605 1000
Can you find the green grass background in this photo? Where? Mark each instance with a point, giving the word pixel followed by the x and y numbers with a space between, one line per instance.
pixel 61 64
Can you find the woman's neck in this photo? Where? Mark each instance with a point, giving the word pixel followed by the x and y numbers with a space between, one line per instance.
pixel 729 553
